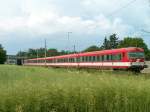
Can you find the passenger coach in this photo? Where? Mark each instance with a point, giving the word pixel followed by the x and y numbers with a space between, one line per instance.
pixel 124 58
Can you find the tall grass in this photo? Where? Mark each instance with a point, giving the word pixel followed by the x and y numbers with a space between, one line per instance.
pixel 30 89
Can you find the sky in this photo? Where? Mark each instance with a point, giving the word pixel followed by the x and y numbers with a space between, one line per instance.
pixel 26 23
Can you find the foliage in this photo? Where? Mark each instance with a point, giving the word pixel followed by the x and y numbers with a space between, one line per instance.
pixel 52 52
pixel 92 48
pixel 2 55
pixel 40 53
pixel 29 89
pixel 111 43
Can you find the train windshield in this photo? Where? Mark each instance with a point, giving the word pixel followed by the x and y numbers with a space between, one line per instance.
pixel 136 54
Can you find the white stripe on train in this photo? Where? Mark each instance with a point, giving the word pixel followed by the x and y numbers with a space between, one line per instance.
pixel 104 64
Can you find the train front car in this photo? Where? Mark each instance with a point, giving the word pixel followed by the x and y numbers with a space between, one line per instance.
pixel 136 58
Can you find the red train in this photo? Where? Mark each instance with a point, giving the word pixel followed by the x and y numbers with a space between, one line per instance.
pixel 124 58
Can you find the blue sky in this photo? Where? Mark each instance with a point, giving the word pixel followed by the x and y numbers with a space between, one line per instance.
pixel 26 23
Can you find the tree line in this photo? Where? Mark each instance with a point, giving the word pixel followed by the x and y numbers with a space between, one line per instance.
pixel 2 55
pixel 40 52
pixel 111 42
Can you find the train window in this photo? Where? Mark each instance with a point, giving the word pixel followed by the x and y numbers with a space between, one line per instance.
pixel 70 60
pixel 73 60
pixel 98 58
pixel 90 58
pixel 102 57
pixel 117 57
pixel 63 60
pixel 81 59
pixel 113 57
pixel 94 58
pixel 59 60
pixel 54 61
pixel 66 60
pixel 110 57
pixel 105 58
pixel 78 59
pixel 86 59
pixel 136 55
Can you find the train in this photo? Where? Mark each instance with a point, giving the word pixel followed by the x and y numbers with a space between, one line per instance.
pixel 132 59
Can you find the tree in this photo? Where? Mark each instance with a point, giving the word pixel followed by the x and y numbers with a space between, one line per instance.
pixel 111 43
pixel 91 48
pixel 53 52
pixel 63 52
pixel 105 44
pixel 40 53
pixel 3 56
pixel 135 42
pixel 114 42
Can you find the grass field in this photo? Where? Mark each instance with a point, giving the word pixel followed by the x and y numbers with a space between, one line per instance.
pixel 29 89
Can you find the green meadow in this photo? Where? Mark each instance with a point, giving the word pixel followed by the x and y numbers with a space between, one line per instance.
pixel 35 89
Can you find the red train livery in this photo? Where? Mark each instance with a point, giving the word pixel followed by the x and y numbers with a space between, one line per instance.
pixel 124 58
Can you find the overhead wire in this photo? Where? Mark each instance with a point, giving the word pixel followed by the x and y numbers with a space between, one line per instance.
pixel 121 8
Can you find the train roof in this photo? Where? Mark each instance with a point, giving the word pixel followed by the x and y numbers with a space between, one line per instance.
pixel 102 52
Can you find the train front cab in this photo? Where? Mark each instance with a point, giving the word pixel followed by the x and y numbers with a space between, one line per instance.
pixel 137 60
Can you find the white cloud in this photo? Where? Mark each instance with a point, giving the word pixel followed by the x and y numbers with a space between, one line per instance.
pixel 35 18
pixel 49 23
